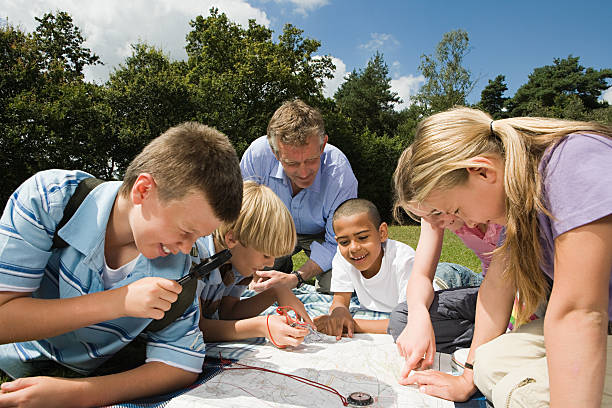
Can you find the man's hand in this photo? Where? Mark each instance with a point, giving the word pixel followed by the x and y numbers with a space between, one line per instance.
pixel 335 324
pixel 150 297
pixel 263 280
pixel 285 297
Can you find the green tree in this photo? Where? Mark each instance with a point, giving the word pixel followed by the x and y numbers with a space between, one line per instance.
pixel 19 72
pixel 409 118
pixel 373 157
pixel 61 127
pixel 565 89
pixel 602 115
pixel 147 94
pixel 367 100
pixel 242 75
pixel 60 45
pixel 49 117
pixel 492 98
pixel 20 64
pixel 374 168
pixel 447 81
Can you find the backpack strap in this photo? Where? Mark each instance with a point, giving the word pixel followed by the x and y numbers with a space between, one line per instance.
pixel 185 298
pixel 83 189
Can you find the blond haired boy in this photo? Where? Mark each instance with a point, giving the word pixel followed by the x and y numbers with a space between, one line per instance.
pixel 128 241
pixel 264 230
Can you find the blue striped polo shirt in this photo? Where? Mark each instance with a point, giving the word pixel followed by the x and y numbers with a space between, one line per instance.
pixel 27 264
pixel 219 283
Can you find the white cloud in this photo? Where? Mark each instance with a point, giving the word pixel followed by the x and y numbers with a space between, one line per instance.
pixel 395 67
pixel 304 6
pixel 378 41
pixel 332 85
pixel 607 95
pixel 406 86
pixel 110 26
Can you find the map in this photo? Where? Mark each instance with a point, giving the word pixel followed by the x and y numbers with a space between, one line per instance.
pixel 367 363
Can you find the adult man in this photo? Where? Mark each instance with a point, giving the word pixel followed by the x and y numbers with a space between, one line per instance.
pixel 312 178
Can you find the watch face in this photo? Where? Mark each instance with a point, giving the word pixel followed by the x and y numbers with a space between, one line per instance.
pixel 360 399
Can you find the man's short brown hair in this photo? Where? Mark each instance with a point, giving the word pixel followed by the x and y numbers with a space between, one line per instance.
pixel 191 157
pixel 293 123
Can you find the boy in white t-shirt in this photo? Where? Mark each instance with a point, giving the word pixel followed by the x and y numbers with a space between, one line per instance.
pixel 367 262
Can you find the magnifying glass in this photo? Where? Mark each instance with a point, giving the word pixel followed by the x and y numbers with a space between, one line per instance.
pixel 206 266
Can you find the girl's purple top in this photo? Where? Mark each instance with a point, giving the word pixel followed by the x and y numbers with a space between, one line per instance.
pixel 577 190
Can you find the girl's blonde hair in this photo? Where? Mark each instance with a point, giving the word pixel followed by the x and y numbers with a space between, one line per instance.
pixel 264 223
pixel 444 146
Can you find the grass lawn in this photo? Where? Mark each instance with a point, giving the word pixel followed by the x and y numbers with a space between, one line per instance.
pixel 452 251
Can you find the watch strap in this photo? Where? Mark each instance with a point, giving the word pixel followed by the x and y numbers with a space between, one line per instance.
pixel 299 278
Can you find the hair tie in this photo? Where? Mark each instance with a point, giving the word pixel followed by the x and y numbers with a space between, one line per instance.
pixel 491 127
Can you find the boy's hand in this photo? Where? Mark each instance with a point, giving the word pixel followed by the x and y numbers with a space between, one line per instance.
pixel 40 392
pixel 336 323
pixel 150 297
pixel 282 333
pixel 285 297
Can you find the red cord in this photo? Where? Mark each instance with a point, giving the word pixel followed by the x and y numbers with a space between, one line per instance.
pixel 225 366
pixel 270 333
pixel 284 311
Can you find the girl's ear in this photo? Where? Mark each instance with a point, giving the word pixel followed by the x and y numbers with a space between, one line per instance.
pixel 383 231
pixel 229 239
pixel 484 169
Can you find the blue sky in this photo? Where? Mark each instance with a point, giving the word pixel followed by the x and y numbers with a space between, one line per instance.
pixel 510 38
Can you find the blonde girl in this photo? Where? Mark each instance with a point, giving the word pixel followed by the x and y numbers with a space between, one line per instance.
pixel 549 183
pixel 442 321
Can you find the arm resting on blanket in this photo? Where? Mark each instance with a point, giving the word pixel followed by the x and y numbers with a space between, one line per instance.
pixel 258 326
pixel 371 326
pixel 149 379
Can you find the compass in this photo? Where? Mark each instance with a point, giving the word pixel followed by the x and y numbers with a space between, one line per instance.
pixel 360 399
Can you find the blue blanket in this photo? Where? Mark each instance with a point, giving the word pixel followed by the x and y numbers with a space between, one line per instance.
pixel 318 304
pixel 212 367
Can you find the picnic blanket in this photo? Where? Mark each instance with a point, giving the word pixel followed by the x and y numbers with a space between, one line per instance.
pixel 251 350
pixel 317 304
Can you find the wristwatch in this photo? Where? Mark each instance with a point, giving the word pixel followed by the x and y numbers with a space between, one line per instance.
pixel 299 278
